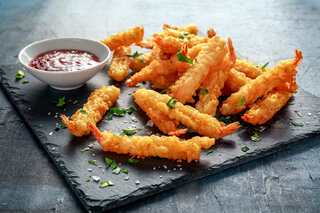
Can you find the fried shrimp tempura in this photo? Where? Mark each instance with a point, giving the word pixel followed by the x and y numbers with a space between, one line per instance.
pixel 190 117
pixel 194 51
pixel 236 80
pixel 126 38
pixel 210 55
pixel 169 45
pixel 264 83
pixel 214 83
pixel 120 64
pixel 145 44
pixel 263 110
pixel 98 103
pixel 169 147
pixel 211 33
pixel 164 81
pixel 153 70
pixel 249 68
pixel 193 29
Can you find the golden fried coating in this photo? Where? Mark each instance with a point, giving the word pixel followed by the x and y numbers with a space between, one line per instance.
pixel 193 29
pixel 97 105
pixel 145 44
pixel 214 83
pixel 190 81
pixel 249 68
pixel 263 110
pixel 236 80
pixel 190 117
pixel 258 87
pixel 120 64
pixel 169 147
pixel 164 81
pixel 126 38
pixel 211 33
pixel 169 45
pixel 194 51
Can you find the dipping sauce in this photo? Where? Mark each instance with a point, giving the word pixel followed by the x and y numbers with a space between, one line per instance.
pixel 64 60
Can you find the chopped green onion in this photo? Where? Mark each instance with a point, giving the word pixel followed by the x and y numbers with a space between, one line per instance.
pixel 139 85
pixel 164 91
pixel 19 75
pixel 209 151
pixel 290 103
pixel 299 113
pixel 171 103
pixel 241 101
pixel 124 171
pixel 83 111
pixel 204 91
pixel 297 124
pixel 110 183
pixel 255 137
pixel 84 149
pixel 245 149
pixel 178 49
pixel 25 82
pixel 181 37
pixel 134 161
pixel 103 184
pixel 89 178
pixel 130 131
pixel 108 161
pixel 92 162
pixel 265 65
pixel 61 102
pixel 182 58
pixel 114 165
pixel 196 60
pixel 186 33
pixel 117 111
pixel 134 55
pixel 75 102
pixel 188 37
pixel 63 126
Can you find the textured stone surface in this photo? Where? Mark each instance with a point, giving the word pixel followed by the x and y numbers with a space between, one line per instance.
pixel 34 102
pixel 263 31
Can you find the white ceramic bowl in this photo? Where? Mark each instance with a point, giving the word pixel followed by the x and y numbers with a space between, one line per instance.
pixel 64 80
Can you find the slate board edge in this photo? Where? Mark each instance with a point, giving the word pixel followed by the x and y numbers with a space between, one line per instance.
pixel 98 206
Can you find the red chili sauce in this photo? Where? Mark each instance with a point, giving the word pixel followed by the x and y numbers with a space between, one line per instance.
pixel 64 60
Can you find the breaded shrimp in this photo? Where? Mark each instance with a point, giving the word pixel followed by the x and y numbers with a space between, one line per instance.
pixel 161 120
pixel 170 147
pixel 164 81
pixel 169 45
pixel 236 80
pixel 98 103
pixel 120 64
pixel 154 69
pixel 144 44
pixel 214 83
pixel 211 33
pixel 190 117
pixel 264 83
pixel 249 68
pixel 126 38
pixel 190 81
pixel 194 51
pixel 193 29
pixel 263 110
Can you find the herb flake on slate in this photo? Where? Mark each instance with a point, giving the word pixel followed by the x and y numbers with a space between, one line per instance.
pixel 133 161
pixel 63 126
pixel 61 102
pixel 89 178
pixel 255 137
pixel 245 149
pixel 19 75
pixel 84 149
pixel 130 131
pixel 209 151
pixel 297 124
pixel 92 162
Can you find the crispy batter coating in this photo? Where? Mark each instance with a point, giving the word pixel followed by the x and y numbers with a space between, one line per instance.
pixel 145 44
pixel 120 64
pixel 264 83
pixel 249 68
pixel 164 81
pixel 194 51
pixel 236 80
pixel 263 110
pixel 190 81
pixel 211 33
pixel 190 117
pixel 169 45
pixel 97 105
pixel 153 70
pixel 193 29
pixel 169 147
pixel 214 83
pixel 126 38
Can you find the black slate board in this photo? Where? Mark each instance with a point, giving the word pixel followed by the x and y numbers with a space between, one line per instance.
pixel 34 103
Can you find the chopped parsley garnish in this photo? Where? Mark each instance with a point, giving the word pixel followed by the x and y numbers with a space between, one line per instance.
pixel 130 131
pixel 297 124
pixel 141 60
pixel 134 55
pixel 61 102
pixel 245 149
pixel 171 103
pixel 241 101
pixel 108 161
pixel 117 111
pixel 182 58
pixel 25 82
pixel 265 65
pixel 186 33
pixel 89 178
pixel 113 164
pixel 129 93
pixel 196 60
pixel 92 162
pixel 178 49
pixel 83 111
pixel 69 100
pixel 110 183
pixel 188 37
pixel 84 149
pixel 164 91
pixel 103 184
pixel 298 113
pixel 124 171
pixel 209 151
pixel 255 137
pixel 204 91
pixel 290 103
pixel 134 161
pixel 181 37
pixel 19 75
pixel 63 126
pixel 75 102
pixel 139 85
